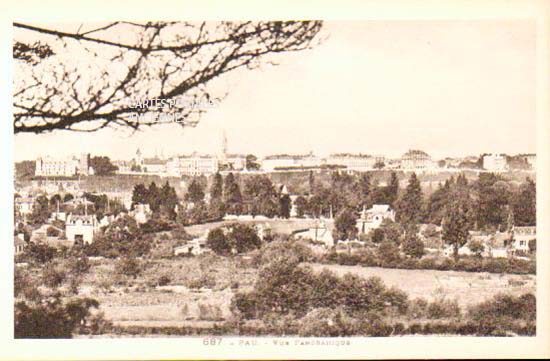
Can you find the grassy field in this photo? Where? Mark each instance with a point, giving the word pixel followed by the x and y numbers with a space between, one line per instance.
pixel 466 287
pixel 197 291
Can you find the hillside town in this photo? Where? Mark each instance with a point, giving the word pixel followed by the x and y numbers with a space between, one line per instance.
pixel 56 204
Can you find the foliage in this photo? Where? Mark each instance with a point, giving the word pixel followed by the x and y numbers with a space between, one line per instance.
pixel 522 307
pixel 524 204
pixel 455 226
pixel 477 247
pixel 232 197
pixel 413 246
pixel 123 237
pixel 39 253
pixel 301 206
pixel 345 225
pixel 52 318
pixel 244 238
pixel 195 192
pixel 388 252
pixel 218 242
pixel 102 166
pixel 285 287
pixel 53 276
pixel 409 206
pixel 128 266
pixel 252 162
pixel 284 206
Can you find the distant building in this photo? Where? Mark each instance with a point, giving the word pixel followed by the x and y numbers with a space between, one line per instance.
pixel 281 161
pixel 234 162
pixel 46 233
pixel 67 167
pixel 416 160
pixel 372 218
pixel 495 162
pixel 154 165
pixel 123 166
pixel 24 205
pixel 193 165
pixel 522 236
pixel 355 162
pixel 194 247
pixel 19 243
pixel 531 159
pixel 81 228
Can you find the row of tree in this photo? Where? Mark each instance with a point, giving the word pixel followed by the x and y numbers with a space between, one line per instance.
pixel 258 197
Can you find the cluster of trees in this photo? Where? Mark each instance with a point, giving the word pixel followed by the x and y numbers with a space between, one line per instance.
pixel 290 298
pixel 259 196
pixel 43 206
pixel 47 303
pixel 162 200
pixel 235 238
pixel 345 192
pixel 286 287
pixel 488 203
pixel 102 166
pixel 123 237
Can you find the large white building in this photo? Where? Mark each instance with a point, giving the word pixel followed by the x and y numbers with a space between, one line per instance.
pixel 495 162
pixel 193 165
pixel 372 218
pixel 81 228
pixel 66 167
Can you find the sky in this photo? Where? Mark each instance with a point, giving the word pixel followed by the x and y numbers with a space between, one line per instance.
pixel 450 88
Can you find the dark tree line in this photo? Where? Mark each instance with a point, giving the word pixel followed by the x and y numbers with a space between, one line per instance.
pixel 259 196
pixel 161 200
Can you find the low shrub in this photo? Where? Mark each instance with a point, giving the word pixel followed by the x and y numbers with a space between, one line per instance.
pixel 443 308
pixel 164 280
pixel 210 312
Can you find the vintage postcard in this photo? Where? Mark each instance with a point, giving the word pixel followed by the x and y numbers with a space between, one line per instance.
pixel 274 186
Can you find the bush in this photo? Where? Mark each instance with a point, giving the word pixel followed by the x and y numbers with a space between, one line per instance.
pixel 297 250
pixel 53 276
pixel 442 308
pixel 204 281
pixel 245 305
pixel 208 312
pixel 520 308
pixel 39 253
pixel 327 322
pixel 413 246
pixel 128 266
pixel 218 242
pixel 388 253
pixel 476 247
pixel 52 318
pixel 163 280
pixel 418 308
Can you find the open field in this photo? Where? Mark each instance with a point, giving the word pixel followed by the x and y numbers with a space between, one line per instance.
pixel 466 287
pixel 200 289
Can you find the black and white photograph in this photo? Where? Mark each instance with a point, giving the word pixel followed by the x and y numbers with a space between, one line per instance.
pixel 319 181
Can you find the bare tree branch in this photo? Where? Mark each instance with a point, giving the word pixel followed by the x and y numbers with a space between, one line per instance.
pixel 76 81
